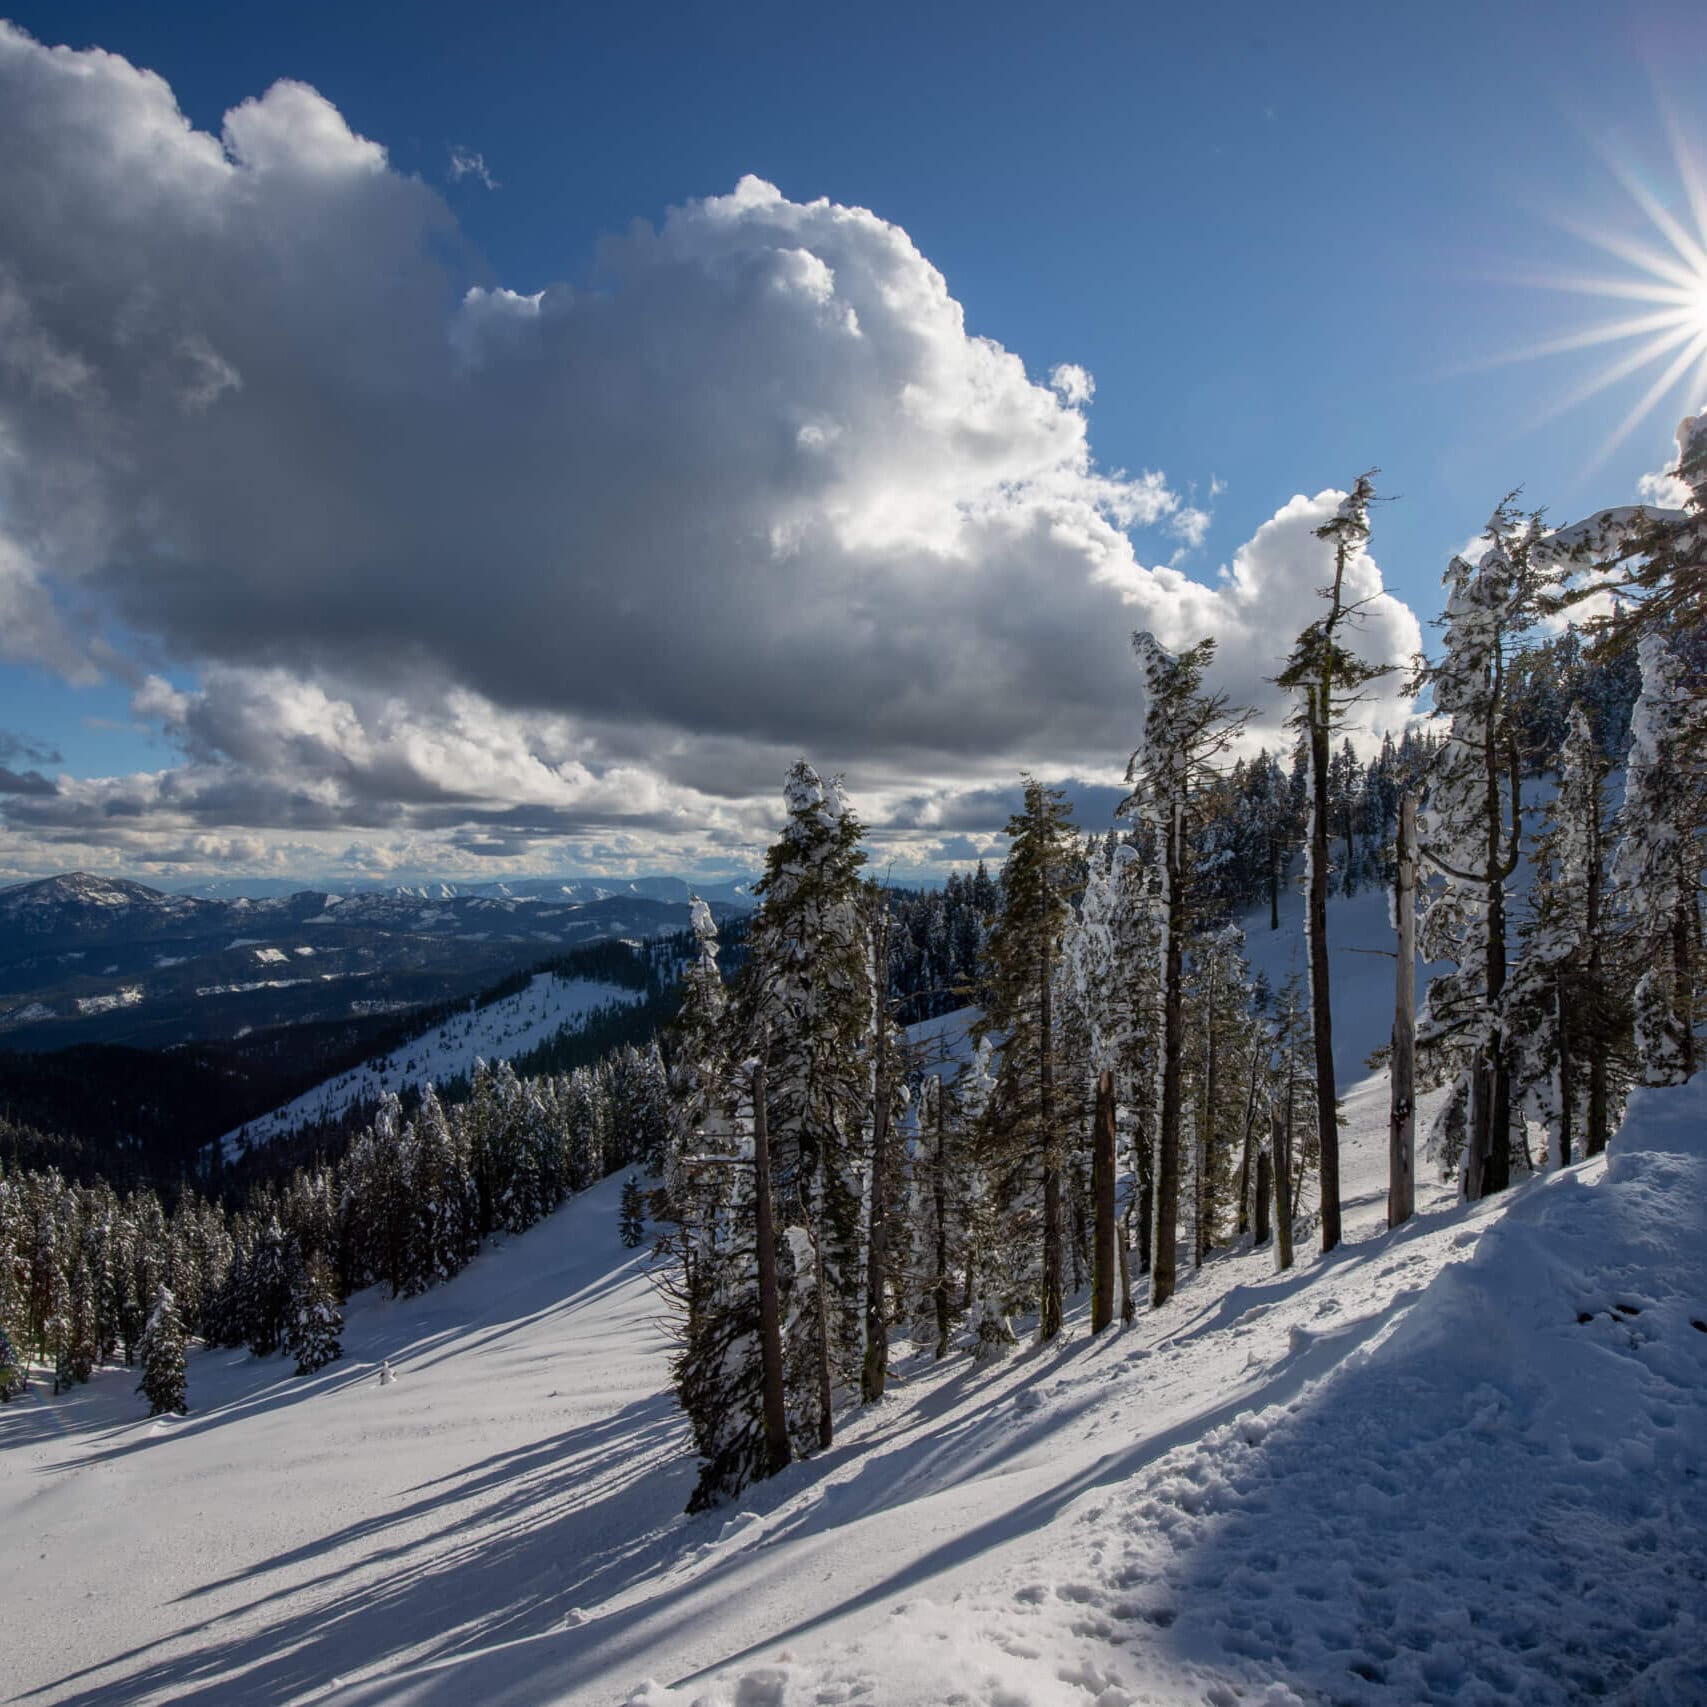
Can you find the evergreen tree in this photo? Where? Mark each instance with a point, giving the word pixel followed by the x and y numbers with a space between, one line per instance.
pixel 1186 730
pixel 1026 1143
pixel 161 1350
pixel 316 1323
pixel 1656 866
pixel 14 1378
pixel 1471 838
pixel 1570 1030
pixel 1328 678
pixel 806 998
pixel 633 1212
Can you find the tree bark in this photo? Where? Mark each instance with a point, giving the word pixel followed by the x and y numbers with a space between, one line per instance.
pixel 1321 999
pixel 940 1194
pixel 1163 1253
pixel 1402 1112
pixel 875 1368
pixel 770 1313
pixel 1265 1184
pixel 1280 1138
pixel 1102 1190
pixel 1049 1317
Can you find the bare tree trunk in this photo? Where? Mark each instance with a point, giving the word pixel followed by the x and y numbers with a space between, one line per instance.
pixel 1596 1135
pixel 1265 1184
pixel 1128 1309
pixel 1102 1190
pixel 1163 1255
pixel 875 1369
pixel 1402 1113
pixel 770 1314
pixel 940 1193
pixel 1049 1317
pixel 1280 1139
pixel 1683 967
pixel 1481 1128
pixel 1245 1155
pixel 1567 1077
pixel 1321 999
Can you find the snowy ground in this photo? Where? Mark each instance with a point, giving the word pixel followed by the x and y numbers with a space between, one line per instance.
pixel 498 1031
pixel 1409 1472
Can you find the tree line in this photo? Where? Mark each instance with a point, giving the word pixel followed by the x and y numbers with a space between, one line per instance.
pixel 1130 1086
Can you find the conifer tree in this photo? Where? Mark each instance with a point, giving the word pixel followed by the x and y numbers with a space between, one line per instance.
pixel 161 1350
pixel 14 1378
pixel 1471 837
pixel 1027 1143
pixel 1186 730
pixel 807 991
pixel 313 1336
pixel 1328 677
pixel 1569 1027
pixel 1656 866
pixel 633 1212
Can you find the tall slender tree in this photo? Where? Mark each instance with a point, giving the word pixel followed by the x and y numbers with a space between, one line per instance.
pixel 1024 945
pixel 1328 678
pixel 1187 729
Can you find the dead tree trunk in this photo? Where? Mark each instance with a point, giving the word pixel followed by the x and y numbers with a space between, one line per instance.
pixel 770 1312
pixel 1102 1190
pixel 939 1192
pixel 1402 1115
pixel 1321 999
pixel 1280 1135
pixel 875 1369
pixel 1265 1184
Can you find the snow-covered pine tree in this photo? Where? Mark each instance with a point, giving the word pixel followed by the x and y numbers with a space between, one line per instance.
pixel 1328 678
pixel 161 1351
pixel 313 1336
pixel 1470 839
pixel 1656 865
pixel 1569 1025
pixel 1653 556
pixel 885 1181
pixel 1026 1145
pixel 14 1377
pixel 1186 730
pixel 633 1212
pixel 1293 1108
pixel 806 995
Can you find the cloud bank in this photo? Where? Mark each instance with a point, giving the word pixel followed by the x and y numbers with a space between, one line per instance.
pixel 456 571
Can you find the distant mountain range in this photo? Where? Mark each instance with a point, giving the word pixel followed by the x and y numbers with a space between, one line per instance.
pixel 99 959
pixel 525 888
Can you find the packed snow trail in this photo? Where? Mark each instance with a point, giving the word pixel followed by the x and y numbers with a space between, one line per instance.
pixel 1368 1480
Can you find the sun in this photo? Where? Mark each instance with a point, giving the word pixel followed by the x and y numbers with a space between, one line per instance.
pixel 1664 280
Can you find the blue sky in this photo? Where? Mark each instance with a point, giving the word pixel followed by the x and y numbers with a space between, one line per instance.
pixel 1285 242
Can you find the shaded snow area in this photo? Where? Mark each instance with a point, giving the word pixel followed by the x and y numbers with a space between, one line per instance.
pixel 498 1031
pixel 1462 1463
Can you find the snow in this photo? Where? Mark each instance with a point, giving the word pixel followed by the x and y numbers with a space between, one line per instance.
pixel 271 956
pixel 127 997
pixel 498 1031
pixel 1409 1472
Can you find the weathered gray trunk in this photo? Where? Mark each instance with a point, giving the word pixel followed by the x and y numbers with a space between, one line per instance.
pixel 1163 1253
pixel 1321 999
pixel 875 1369
pixel 1402 1112
pixel 940 1195
pixel 1049 1317
pixel 770 1313
pixel 1102 1191
pixel 1280 1139
pixel 1265 1184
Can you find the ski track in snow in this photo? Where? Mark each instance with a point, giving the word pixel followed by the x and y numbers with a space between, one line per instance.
pixel 498 1031
pixel 1406 1472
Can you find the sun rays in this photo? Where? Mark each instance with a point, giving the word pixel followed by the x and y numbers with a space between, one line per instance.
pixel 1662 277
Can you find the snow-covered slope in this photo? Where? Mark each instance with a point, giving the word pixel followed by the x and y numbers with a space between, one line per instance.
pixel 495 1032
pixel 1464 1463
